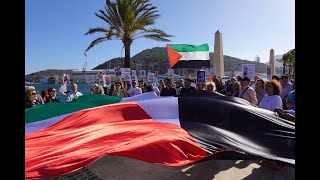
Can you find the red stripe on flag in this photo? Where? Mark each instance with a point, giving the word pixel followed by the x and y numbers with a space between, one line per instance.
pixel 174 56
pixel 123 129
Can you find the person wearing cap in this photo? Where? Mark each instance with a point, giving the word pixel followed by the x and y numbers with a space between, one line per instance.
pixel 247 92
pixel 187 86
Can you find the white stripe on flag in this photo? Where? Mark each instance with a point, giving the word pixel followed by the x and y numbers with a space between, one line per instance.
pixel 35 126
pixel 161 109
pixel 200 55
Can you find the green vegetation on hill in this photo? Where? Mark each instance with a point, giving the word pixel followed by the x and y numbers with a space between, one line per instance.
pixel 150 59
pixel 157 59
pixel 56 73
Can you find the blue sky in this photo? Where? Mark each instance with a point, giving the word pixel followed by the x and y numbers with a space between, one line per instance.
pixel 54 30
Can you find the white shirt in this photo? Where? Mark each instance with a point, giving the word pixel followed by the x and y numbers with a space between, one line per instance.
pixel 156 90
pixel 72 96
pixel 134 91
pixel 271 102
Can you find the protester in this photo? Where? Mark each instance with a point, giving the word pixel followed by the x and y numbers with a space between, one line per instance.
pixel 45 96
pixel 286 86
pixel 168 90
pixel 275 77
pixel 286 114
pixel 31 98
pixel 247 92
pixel 229 91
pixel 99 90
pixel 134 90
pixel 272 100
pixel 259 88
pixel 74 94
pixel 235 89
pixel 187 86
pixel 39 98
pixel 210 86
pixel 119 91
pixel 53 95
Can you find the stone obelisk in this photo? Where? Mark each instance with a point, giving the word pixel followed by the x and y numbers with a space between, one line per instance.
pixel 271 62
pixel 218 61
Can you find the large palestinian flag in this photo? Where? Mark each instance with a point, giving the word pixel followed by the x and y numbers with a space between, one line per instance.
pixel 188 56
pixel 171 131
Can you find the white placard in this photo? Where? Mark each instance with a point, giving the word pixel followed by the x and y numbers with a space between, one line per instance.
pixel 66 79
pixel 107 81
pixel 269 72
pixel 63 87
pixel 248 70
pixel 117 71
pixel 125 74
pixel 90 80
pixel 142 74
pixel 133 72
pixel 213 71
pixel 151 78
pixel 170 72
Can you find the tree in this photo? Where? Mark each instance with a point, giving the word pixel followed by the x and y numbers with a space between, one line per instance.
pixel 291 60
pixel 127 21
pixel 284 60
pixel 288 59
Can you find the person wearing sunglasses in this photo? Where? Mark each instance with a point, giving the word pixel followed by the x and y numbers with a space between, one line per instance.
pixel 53 95
pixel 119 91
pixel 31 98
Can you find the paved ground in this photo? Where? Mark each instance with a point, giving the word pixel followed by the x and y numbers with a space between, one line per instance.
pixel 122 168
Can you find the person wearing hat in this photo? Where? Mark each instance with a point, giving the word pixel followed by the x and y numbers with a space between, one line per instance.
pixel 187 86
pixel 247 92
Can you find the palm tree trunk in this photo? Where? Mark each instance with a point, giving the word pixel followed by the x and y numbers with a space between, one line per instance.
pixel 127 45
pixel 290 68
pixel 284 69
pixel 293 71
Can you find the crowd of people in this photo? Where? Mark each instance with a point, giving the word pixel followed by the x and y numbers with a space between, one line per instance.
pixel 277 94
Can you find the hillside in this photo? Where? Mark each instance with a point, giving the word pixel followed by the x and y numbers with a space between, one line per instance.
pixel 57 73
pixel 157 59
pixel 150 59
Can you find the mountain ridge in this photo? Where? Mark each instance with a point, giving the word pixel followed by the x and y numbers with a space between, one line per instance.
pixel 156 59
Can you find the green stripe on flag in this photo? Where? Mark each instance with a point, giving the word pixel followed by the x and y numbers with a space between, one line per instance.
pixel 189 48
pixel 45 111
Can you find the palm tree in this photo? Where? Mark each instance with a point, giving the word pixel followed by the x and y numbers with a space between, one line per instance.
pixel 284 60
pixel 291 60
pixel 127 20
